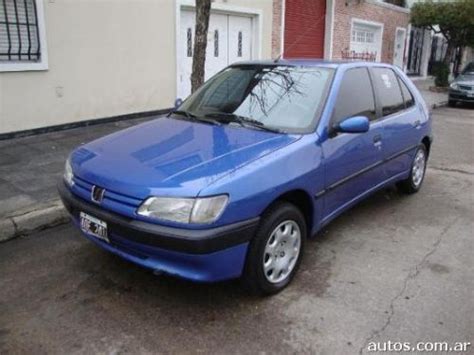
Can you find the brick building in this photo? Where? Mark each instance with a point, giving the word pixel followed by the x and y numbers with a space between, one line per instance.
pixel 341 29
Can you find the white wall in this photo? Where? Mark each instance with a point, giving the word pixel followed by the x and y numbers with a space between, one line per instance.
pixel 106 58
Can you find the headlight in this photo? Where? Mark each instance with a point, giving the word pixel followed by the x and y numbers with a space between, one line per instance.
pixel 184 210
pixel 68 175
pixel 453 86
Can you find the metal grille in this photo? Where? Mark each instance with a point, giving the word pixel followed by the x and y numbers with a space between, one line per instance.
pixel 239 45
pixel 216 43
pixel 189 42
pixel 364 56
pixel 19 35
pixel 415 51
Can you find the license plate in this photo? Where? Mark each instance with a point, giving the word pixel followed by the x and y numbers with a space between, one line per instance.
pixel 94 226
pixel 470 94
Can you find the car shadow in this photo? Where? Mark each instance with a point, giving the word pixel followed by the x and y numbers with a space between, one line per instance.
pixel 464 105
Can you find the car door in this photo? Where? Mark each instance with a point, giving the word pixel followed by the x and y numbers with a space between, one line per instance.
pixel 352 161
pixel 401 120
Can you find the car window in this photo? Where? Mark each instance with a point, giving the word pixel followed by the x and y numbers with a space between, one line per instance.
pixel 407 95
pixel 284 97
pixel 469 69
pixel 388 90
pixel 355 97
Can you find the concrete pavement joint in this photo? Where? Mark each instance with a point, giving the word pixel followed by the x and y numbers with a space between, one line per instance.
pixel 451 170
pixel 411 276
pixel 15 226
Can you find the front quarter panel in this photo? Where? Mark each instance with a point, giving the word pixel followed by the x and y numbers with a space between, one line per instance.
pixel 254 187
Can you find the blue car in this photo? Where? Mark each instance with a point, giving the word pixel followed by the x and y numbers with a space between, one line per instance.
pixel 265 154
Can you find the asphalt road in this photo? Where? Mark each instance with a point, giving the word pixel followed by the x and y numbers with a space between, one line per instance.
pixel 395 268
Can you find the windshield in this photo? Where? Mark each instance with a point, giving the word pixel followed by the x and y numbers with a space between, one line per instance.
pixel 469 69
pixel 281 97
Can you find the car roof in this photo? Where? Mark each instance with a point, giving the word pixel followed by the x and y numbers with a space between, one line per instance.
pixel 311 62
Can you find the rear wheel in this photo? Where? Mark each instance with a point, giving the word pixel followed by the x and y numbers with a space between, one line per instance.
pixel 417 174
pixel 275 253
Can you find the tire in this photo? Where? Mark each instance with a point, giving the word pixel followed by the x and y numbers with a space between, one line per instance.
pixel 413 183
pixel 452 103
pixel 280 217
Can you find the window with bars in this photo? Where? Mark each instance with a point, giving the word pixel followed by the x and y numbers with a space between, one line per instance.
pixel 362 36
pixel 216 43
pixel 189 42
pixel 239 44
pixel 19 34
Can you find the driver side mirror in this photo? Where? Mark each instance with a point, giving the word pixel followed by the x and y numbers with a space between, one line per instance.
pixel 356 124
pixel 178 102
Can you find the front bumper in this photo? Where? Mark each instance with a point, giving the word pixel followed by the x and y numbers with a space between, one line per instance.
pixel 197 254
pixel 463 96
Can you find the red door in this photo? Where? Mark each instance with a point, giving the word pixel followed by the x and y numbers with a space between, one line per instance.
pixel 304 28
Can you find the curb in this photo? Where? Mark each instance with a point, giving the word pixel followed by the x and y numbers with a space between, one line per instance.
pixel 30 221
pixel 440 104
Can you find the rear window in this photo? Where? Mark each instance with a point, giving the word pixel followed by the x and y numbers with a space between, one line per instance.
pixel 388 90
pixel 407 95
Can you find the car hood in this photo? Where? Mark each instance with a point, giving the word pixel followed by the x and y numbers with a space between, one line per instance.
pixel 171 157
pixel 467 79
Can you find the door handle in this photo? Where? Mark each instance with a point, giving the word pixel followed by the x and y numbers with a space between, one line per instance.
pixel 377 138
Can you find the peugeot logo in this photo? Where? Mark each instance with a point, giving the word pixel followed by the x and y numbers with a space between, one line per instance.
pixel 97 194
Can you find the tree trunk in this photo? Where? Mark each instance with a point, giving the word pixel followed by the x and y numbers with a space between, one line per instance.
pixel 449 54
pixel 203 10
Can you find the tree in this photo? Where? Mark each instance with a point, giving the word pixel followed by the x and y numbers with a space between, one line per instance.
pixel 203 11
pixel 454 20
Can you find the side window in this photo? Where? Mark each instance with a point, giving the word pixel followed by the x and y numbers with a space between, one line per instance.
pixel 386 84
pixel 355 97
pixel 407 95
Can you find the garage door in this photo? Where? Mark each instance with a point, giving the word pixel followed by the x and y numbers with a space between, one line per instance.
pixel 229 40
pixel 304 28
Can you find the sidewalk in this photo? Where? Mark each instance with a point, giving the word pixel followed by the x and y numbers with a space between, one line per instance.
pixel 433 99
pixel 30 168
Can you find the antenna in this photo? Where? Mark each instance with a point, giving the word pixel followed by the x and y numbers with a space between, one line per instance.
pixel 276 60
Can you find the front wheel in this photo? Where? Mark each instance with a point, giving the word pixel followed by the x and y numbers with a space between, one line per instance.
pixel 275 253
pixel 417 174
pixel 452 103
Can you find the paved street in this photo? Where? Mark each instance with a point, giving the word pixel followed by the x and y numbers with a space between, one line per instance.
pixel 396 268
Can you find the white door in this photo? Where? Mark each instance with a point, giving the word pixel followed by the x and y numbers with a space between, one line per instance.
pixel 185 53
pixel 229 40
pixel 216 51
pixel 399 47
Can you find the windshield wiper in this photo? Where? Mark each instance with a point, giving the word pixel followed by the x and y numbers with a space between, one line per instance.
pixel 193 117
pixel 243 121
pixel 184 113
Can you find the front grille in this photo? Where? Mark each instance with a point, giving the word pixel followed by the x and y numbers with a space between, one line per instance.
pixel 465 87
pixel 113 200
